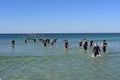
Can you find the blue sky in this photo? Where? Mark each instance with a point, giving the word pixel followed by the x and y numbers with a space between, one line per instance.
pixel 59 16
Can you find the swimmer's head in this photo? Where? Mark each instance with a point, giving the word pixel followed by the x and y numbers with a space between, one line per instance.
pixel 95 44
pixel 104 40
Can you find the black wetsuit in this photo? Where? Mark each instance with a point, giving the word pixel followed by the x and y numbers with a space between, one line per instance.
pixel 85 45
pixel 66 45
pixel 91 43
pixel 34 40
pixel 104 46
pixel 96 50
pixel 80 43
pixel 13 43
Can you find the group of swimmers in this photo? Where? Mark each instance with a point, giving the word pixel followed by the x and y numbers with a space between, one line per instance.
pixel 94 47
pixel 44 41
pixel 48 41
pixel 83 44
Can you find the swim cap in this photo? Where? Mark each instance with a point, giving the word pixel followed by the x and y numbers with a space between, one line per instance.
pixel 95 44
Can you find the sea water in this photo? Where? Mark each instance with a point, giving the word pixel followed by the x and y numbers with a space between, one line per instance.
pixel 33 61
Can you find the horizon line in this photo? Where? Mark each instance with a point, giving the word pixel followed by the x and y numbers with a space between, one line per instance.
pixel 58 32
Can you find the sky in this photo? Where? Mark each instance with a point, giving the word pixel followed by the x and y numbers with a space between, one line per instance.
pixel 59 16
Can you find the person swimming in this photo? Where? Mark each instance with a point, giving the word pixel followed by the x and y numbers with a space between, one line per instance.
pixel 96 50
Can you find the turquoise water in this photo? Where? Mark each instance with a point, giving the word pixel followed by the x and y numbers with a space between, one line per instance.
pixel 33 61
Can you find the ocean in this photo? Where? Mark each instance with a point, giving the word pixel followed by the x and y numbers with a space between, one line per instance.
pixel 33 61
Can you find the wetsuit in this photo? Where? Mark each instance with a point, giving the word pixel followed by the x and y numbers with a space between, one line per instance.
pixel 96 50
pixel 85 45
pixel 104 46
pixel 13 43
pixel 66 45
pixel 80 43
pixel 91 43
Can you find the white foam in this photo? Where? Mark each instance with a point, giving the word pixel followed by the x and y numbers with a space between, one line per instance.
pixel 92 55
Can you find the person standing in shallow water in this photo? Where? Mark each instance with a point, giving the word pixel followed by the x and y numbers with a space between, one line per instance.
pixel 66 44
pixel 104 45
pixel 96 50
pixel 91 43
pixel 13 43
pixel 34 40
pixel 25 40
pixel 85 44
pixel 80 43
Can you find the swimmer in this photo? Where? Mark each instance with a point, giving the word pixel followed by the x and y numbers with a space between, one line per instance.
pixel 85 44
pixel 80 43
pixel 104 45
pixel 96 50
pixel 13 43
pixel 66 44
pixel 25 40
pixel 34 40
pixel 91 43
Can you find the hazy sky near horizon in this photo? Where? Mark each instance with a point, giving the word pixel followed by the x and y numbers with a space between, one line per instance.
pixel 59 16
